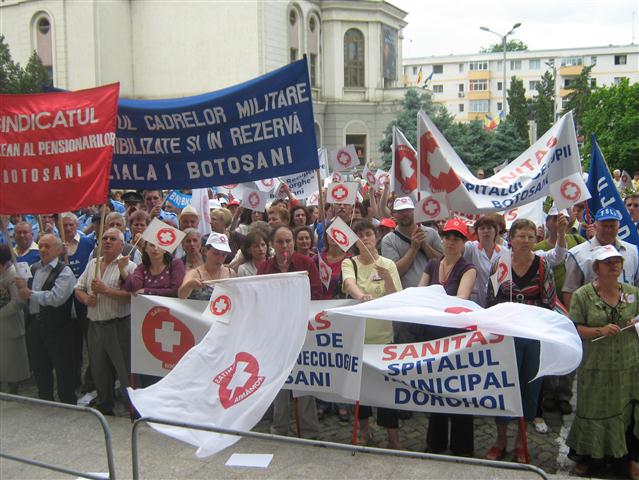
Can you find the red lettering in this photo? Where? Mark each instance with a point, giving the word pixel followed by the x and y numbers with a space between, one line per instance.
pixel 540 154
pixel 430 348
pixel 390 351
pixel 476 337
pixel 496 338
pixel 552 141
pixel 409 351
pixel 321 322
pixel 528 165
pixel 457 339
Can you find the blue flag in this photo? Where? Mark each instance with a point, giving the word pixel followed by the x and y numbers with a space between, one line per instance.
pixel 263 128
pixel 604 194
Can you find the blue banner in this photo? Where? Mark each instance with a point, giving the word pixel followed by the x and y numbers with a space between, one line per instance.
pixel 262 128
pixel 604 194
pixel 178 199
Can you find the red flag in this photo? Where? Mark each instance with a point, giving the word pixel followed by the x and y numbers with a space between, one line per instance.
pixel 56 149
pixel 404 169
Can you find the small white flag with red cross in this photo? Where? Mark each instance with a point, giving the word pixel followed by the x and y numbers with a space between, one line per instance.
pixel 370 177
pixel 254 200
pixel 342 193
pixel 344 158
pixel 342 234
pixel 432 207
pixel 267 184
pixel 503 272
pixel 325 272
pixel 163 235
pixel 569 190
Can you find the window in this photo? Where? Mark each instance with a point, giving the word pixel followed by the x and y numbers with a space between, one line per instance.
pixel 500 65
pixel 414 70
pixel 532 85
pixel 461 67
pixel 569 82
pixel 515 64
pixel 438 69
pixel 480 65
pixel 461 87
pixel 438 89
pixel 294 34
pixel 499 106
pixel 478 106
pixel 500 86
pixel 293 56
pixel 617 80
pixel 477 85
pixel 292 18
pixel 353 58
pixel 572 61
pixel 593 60
pixel 313 48
pixel 461 107
pixel 359 142
pixel 593 83
pixel 534 64
pixel 621 59
pixel 44 43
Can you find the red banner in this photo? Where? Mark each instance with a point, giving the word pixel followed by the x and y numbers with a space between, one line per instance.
pixel 56 149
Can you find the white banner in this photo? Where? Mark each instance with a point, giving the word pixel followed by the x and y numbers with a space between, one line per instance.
pixel 331 358
pixel 469 373
pixel 231 377
pixel 404 168
pixel 547 167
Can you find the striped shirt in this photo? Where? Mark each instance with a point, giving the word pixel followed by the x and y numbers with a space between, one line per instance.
pixel 107 307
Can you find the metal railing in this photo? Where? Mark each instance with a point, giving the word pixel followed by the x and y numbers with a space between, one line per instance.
pixel 320 443
pixel 58 468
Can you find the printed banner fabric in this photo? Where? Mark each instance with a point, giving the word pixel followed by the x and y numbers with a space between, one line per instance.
pixel 262 128
pixel 550 166
pixel 404 167
pixel 231 377
pixel 56 149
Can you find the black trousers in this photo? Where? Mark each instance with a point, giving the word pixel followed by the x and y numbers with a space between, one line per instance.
pixel 461 433
pixel 49 342
pixel 386 417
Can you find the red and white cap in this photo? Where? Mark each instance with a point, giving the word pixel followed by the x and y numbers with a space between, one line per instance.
pixel 456 225
pixel 403 203
pixel 605 252
pixel 218 241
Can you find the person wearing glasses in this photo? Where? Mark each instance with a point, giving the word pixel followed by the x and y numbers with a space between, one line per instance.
pixel 532 284
pixel 605 431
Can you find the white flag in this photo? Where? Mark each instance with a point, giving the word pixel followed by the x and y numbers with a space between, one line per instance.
pixel 322 154
pixel 344 158
pixel 335 178
pixel 342 193
pixel 200 201
pixel 267 184
pixel 370 177
pixel 626 182
pixel 431 208
pixel 163 235
pixel 504 270
pixel 254 200
pixel 382 177
pixel 313 199
pixel 342 234
pixel 231 377
pixel 404 170
pixel 569 191
pixel 325 272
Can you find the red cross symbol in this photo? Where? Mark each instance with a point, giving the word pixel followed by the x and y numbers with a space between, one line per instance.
pixel 431 207
pixel 339 193
pixel 253 199
pixel 220 305
pixel 343 157
pixel 165 236
pixel 570 190
pixel 340 237
pixel 268 182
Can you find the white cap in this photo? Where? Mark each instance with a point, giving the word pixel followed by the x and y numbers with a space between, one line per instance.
pixel 605 252
pixel 403 203
pixel 218 241
pixel 188 210
pixel 214 203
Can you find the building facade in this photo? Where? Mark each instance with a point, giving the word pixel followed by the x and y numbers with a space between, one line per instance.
pixel 471 86
pixel 175 49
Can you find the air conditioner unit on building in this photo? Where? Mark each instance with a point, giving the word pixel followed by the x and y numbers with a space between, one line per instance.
pixel 461 94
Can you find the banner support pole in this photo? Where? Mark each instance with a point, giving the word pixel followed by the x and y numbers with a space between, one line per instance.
pixel 296 411
pixel 320 196
pixel 355 422
pixel 63 238
pixel 96 274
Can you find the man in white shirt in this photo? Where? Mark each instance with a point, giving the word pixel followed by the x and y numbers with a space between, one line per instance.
pixel 109 313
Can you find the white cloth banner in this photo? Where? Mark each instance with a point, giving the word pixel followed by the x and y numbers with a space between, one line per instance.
pixel 231 377
pixel 404 168
pixel 533 211
pixel 331 358
pixel 545 167
pixel 468 373
pixel 560 344
pixel 200 201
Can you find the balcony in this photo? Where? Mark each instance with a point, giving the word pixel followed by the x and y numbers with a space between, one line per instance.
pixel 570 70
pixel 478 95
pixel 476 116
pixel 479 75
pixel 565 91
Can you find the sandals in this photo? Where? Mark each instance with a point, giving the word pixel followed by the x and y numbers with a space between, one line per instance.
pixel 541 427
pixel 495 453
pixel 582 469
pixel 520 455
pixel 633 470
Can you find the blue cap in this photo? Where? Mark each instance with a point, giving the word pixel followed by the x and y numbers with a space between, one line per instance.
pixel 608 213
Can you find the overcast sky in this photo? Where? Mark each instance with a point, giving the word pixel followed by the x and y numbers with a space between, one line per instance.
pixel 445 27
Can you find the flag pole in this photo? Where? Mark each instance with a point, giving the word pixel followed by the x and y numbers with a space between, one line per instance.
pixel 96 274
pixel 320 196
pixel 355 422
pixel 63 238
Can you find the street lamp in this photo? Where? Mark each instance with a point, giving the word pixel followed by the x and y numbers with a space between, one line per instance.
pixel 552 65
pixel 504 105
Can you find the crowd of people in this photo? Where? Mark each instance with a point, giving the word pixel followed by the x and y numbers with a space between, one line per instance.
pixel 75 298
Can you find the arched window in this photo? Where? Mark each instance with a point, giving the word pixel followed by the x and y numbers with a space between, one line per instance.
pixel 353 58
pixel 295 33
pixel 313 45
pixel 43 34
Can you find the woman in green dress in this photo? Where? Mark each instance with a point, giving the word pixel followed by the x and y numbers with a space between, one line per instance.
pixel 606 427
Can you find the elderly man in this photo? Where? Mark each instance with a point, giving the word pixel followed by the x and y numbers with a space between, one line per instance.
pixel 632 205
pixel 410 246
pixel 109 313
pixel 188 218
pixel 579 260
pixel 26 249
pixel 49 327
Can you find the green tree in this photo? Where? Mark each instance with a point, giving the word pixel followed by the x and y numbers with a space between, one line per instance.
pixel 612 114
pixel 506 144
pixel 406 120
pixel 544 103
pixel 518 108
pixel 471 144
pixel 578 99
pixel 14 79
pixel 512 45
